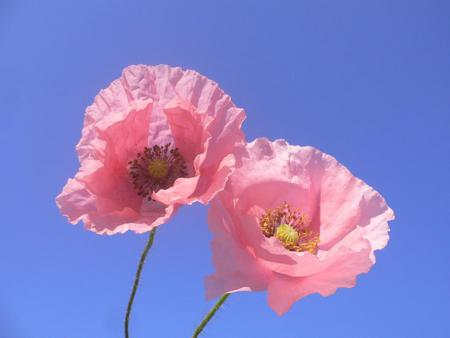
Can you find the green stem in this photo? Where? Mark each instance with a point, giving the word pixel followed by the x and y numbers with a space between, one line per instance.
pixel 137 278
pixel 210 315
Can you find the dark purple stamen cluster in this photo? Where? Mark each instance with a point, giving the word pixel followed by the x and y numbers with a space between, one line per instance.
pixel 156 168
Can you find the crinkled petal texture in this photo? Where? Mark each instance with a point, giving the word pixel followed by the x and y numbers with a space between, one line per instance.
pixel 147 106
pixel 350 217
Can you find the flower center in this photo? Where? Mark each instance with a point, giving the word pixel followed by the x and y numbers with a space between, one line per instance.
pixel 287 234
pixel 156 168
pixel 290 227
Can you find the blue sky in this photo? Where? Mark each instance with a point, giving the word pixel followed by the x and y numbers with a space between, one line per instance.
pixel 366 81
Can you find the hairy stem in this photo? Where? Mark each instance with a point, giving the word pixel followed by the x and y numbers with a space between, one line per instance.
pixel 137 278
pixel 210 315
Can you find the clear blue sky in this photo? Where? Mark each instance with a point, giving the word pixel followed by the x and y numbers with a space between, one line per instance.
pixel 366 81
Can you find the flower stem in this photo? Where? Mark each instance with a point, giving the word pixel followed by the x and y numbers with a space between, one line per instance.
pixel 210 314
pixel 137 278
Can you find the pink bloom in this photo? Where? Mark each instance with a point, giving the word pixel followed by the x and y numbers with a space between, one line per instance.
pixel 156 138
pixel 293 221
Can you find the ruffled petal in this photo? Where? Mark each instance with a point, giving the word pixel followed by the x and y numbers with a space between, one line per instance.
pixel 236 268
pixel 208 142
pixel 284 290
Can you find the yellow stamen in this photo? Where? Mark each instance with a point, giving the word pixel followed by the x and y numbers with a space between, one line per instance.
pixel 307 241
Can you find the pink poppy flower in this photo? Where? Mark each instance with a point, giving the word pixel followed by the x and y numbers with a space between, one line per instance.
pixel 155 139
pixel 293 221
